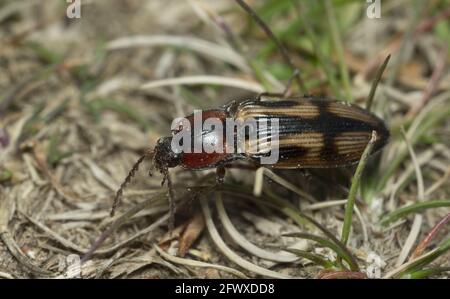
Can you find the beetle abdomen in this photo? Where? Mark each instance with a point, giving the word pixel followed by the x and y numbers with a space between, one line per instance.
pixel 315 133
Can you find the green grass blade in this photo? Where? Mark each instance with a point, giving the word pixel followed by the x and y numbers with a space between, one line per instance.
pixel 354 189
pixel 414 208
pixel 315 258
pixel 337 40
pixel 326 243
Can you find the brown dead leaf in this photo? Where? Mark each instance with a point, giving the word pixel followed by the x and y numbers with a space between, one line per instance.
pixel 193 230
pixel 165 241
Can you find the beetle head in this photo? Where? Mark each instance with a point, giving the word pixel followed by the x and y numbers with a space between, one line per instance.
pixel 165 157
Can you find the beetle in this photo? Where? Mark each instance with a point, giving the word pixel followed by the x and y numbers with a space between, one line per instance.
pixel 312 132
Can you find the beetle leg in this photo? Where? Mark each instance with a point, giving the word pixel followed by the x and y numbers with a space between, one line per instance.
pixel 220 174
pixel 171 197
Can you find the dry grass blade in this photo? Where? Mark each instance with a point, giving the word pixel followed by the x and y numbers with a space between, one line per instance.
pixel 205 80
pixel 420 186
pixel 195 44
pixel 160 221
pixel 424 157
pixel 273 201
pixel 215 236
pixel 70 197
pixel 15 250
pixel 194 263
pixel 58 238
pixel 243 242
pixel 6 210
pixel 332 203
pixel 409 243
pixel 5 275
pixel 121 219
pixel 444 179
pixel 270 174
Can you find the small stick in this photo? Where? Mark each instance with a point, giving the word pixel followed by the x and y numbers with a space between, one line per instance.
pixel 426 241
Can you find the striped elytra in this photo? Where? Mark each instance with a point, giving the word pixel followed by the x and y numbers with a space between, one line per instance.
pixel 315 133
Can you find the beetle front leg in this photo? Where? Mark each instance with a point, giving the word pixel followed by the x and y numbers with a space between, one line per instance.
pixel 220 175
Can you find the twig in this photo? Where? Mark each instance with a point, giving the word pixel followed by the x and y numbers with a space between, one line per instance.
pixel 426 241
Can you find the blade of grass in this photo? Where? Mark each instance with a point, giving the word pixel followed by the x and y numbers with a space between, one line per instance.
pixel 414 208
pixel 204 47
pixel 419 177
pixel 354 189
pixel 280 46
pixel 324 62
pixel 217 239
pixel 273 201
pixel 428 117
pixel 417 8
pixel 325 243
pixel 410 240
pixel 420 274
pixel 103 104
pixel 406 269
pixel 194 263
pixel 204 80
pixel 375 82
pixel 315 258
pixel 331 274
pixel 243 242
pixel 430 236
pixel 333 26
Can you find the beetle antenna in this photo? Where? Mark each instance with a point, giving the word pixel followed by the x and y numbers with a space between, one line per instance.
pixel 127 180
